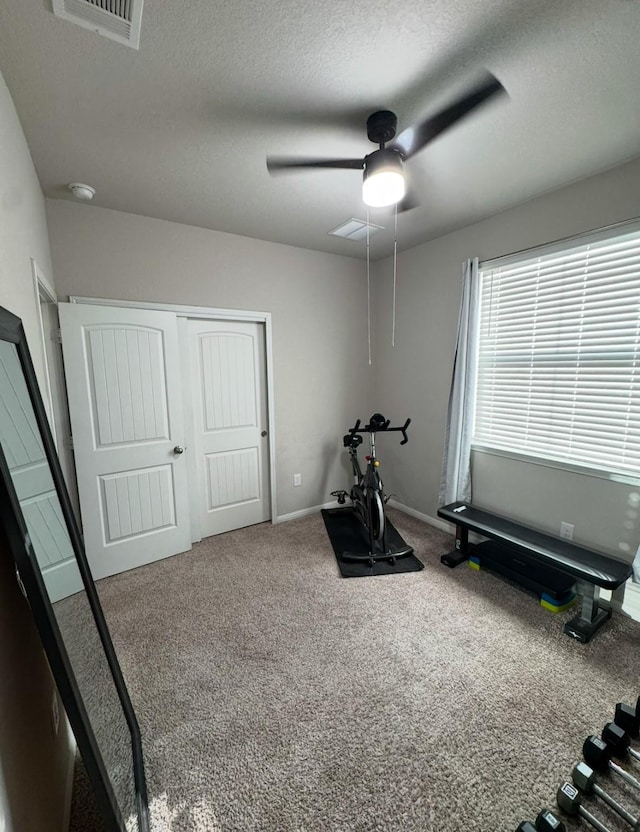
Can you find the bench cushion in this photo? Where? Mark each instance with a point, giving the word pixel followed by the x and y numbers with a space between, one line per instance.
pixel 584 564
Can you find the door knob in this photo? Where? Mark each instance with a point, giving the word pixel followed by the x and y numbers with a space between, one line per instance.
pixel 264 433
pixel 178 449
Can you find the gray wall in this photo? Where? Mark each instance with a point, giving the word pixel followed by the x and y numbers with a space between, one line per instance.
pixel 414 377
pixel 318 304
pixel 23 228
pixel 33 763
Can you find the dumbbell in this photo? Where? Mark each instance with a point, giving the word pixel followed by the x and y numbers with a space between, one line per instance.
pixel 628 718
pixel 619 741
pixel 597 753
pixel 568 798
pixel 584 778
pixel 545 822
pixel 548 822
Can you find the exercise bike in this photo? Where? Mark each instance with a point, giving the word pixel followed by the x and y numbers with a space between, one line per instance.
pixel 367 494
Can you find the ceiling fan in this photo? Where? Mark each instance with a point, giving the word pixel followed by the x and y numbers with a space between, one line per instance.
pixel 384 181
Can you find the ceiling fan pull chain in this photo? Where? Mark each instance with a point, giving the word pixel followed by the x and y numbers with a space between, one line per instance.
pixel 368 289
pixel 395 274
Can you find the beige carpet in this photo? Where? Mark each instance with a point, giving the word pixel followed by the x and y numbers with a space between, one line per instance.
pixel 274 695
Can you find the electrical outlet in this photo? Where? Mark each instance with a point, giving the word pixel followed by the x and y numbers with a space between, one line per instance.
pixel 55 713
pixel 297 480
pixel 566 531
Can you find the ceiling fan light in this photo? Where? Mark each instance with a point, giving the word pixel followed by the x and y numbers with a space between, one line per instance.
pixel 383 182
pixel 383 188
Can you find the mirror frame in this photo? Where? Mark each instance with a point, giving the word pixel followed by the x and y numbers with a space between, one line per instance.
pixel 30 579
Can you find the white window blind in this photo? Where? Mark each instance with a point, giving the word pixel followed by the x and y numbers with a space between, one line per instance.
pixel 559 354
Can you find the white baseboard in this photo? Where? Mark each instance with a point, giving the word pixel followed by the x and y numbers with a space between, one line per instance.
pixel 304 512
pixel 426 518
pixel 443 525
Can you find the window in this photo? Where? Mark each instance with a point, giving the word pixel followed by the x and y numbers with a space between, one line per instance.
pixel 559 353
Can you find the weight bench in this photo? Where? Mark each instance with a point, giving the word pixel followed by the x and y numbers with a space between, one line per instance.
pixel 593 570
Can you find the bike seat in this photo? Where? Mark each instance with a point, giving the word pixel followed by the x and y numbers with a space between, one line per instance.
pixel 352 440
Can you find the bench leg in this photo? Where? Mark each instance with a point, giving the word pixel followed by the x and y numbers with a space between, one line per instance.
pixel 583 626
pixel 461 552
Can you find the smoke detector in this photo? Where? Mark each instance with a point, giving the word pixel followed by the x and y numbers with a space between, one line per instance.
pixel 118 20
pixel 81 191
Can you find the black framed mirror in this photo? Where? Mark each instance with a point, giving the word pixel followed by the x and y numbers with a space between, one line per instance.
pixel 53 572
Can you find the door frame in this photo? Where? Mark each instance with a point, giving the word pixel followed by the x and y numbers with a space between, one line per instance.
pixel 214 313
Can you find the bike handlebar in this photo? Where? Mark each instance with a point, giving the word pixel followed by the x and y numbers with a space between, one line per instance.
pixel 381 426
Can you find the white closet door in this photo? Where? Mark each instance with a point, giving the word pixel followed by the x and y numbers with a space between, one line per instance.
pixel 123 379
pixel 227 375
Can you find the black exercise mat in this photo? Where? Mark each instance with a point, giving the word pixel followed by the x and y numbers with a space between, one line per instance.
pixel 347 534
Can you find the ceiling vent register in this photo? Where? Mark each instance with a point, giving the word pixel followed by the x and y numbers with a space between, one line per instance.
pixel 118 20
pixel 356 230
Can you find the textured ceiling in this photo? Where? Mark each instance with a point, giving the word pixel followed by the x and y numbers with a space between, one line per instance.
pixel 180 129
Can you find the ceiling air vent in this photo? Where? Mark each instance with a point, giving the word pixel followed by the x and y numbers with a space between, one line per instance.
pixel 115 19
pixel 356 230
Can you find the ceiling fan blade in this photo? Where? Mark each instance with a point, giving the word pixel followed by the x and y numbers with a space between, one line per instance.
pixel 276 164
pixel 414 138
